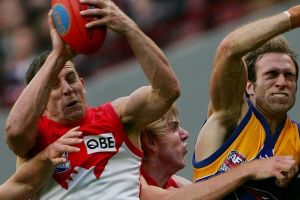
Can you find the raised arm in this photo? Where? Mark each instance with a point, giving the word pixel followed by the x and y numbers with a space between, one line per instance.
pixel 229 77
pixel 228 80
pixel 221 185
pixel 164 87
pixel 21 124
pixel 33 174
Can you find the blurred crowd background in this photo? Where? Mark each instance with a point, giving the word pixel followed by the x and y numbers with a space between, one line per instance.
pixel 24 32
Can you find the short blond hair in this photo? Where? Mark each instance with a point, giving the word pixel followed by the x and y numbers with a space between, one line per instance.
pixel 157 129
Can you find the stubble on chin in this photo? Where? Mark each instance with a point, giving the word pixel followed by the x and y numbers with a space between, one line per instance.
pixel 74 115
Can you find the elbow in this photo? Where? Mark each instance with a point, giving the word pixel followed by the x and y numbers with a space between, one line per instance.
pixel 174 92
pixel 229 49
pixel 169 96
pixel 177 93
pixel 11 141
pixel 10 134
pixel 176 89
pixel 168 91
pixel 19 143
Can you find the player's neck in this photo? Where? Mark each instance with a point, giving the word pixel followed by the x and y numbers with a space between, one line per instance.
pixel 273 119
pixel 160 174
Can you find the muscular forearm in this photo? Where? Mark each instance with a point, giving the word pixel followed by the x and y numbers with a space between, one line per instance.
pixel 219 186
pixel 214 188
pixel 33 174
pixel 251 36
pixel 229 75
pixel 28 179
pixel 23 117
pixel 154 63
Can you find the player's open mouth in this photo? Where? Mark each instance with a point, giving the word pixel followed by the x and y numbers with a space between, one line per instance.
pixel 71 104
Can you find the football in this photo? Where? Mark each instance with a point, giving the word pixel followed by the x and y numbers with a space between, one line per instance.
pixel 71 26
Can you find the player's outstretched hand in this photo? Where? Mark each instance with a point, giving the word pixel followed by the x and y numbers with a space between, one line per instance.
pixel 294 14
pixel 109 14
pixel 65 143
pixel 284 168
pixel 58 44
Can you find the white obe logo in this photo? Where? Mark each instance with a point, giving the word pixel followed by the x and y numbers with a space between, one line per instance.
pixel 100 143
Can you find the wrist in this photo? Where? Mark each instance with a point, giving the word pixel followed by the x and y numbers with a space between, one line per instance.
pixel 294 16
pixel 58 59
pixel 247 172
pixel 43 156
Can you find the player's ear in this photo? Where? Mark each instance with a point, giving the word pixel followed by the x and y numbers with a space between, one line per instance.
pixel 83 83
pixel 249 88
pixel 147 141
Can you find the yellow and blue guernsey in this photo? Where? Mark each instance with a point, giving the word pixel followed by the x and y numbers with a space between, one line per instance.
pixel 252 139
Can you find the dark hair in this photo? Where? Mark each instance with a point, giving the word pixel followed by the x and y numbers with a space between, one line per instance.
pixel 276 45
pixel 36 65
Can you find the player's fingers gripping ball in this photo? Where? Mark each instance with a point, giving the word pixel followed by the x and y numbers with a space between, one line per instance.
pixel 71 26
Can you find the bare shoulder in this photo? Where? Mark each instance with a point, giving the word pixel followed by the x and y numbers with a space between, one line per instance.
pixel 127 105
pixel 119 104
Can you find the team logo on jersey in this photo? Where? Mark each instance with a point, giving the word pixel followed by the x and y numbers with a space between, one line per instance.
pixel 63 167
pixel 233 159
pixel 100 143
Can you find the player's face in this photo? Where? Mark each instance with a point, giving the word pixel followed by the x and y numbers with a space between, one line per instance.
pixel 275 87
pixel 173 146
pixel 67 99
